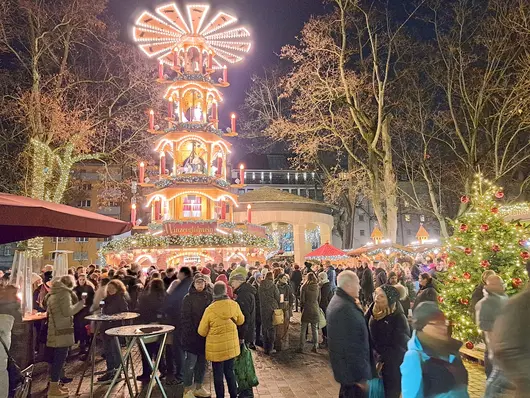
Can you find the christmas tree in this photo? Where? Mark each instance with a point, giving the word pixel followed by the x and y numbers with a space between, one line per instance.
pixel 482 240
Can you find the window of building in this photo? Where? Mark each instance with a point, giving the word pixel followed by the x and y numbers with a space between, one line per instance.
pixel 84 203
pixel 303 192
pixel 361 232
pixel 86 187
pixel 81 240
pixel 114 204
pixel 80 256
pixel 107 239
pixel 406 203
pixel 192 207
pixel 361 217
pixel 407 217
pixel 409 232
pixel 422 218
pixel 312 193
pixel 59 240
pixel 7 250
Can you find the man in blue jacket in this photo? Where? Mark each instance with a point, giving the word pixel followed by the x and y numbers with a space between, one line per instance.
pixel 172 308
pixel 332 276
pixel 348 341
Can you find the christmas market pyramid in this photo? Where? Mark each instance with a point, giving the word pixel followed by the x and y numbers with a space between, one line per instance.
pixel 183 205
pixel 482 240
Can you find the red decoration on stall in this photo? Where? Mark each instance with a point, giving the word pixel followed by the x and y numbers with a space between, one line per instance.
pixel 484 263
pixel 464 199
pixel 468 250
pixel 466 275
pixel 484 227
pixel 496 248
pixel 470 345
pixel 463 227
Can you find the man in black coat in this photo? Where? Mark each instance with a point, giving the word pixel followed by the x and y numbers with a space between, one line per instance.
pixel 296 281
pixel 246 298
pixel 172 308
pixel 367 284
pixel 348 340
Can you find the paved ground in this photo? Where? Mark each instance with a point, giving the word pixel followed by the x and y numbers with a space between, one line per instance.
pixel 285 375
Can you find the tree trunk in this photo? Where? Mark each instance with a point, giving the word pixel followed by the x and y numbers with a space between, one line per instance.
pixel 390 183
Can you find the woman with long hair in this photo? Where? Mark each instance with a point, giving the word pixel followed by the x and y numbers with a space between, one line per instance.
pixel 269 300
pixel 84 288
pixel 115 303
pixel 309 302
pixel 61 306
pixel 150 310
pixel 389 331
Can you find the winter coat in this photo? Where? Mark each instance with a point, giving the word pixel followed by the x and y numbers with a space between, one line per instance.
pixel 114 304
pixel 390 334
pixel 193 307
pixel 173 302
pixel 150 307
pixel 309 301
pixel 6 324
pixel 424 376
pixel 288 297
pixel 219 326
pixel 296 280
pixel 367 282
pixel 381 277
pixel 511 345
pixel 269 300
pixel 415 272
pixel 61 311
pixel 348 344
pixel 326 293
pixel 476 296
pixel 246 298
pixel 426 293
pixel 79 318
pixel 332 277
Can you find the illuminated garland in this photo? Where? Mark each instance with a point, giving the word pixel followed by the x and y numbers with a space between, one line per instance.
pixel 189 126
pixel 390 249
pixel 328 258
pixel 192 76
pixel 191 179
pixel 146 241
pixel 312 236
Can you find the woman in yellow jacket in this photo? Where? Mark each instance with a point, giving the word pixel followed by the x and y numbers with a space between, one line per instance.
pixel 219 326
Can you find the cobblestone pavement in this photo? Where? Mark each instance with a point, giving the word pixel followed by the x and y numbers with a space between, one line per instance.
pixel 285 375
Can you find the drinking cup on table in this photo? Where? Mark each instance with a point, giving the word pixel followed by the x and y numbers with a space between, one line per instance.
pixel 101 305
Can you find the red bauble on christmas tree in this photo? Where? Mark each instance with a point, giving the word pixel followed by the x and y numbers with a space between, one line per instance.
pixel 463 227
pixel 499 194
pixel 464 199
pixel 466 275
pixel 468 251
pixel 496 248
pixel 485 264
pixel 525 255
pixel 470 345
pixel 516 282
pixel 484 227
pixel 494 210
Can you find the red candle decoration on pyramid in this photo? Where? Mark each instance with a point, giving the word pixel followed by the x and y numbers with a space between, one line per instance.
pixel 233 122
pixel 225 74
pixel 160 70
pixel 241 174
pixel 141 172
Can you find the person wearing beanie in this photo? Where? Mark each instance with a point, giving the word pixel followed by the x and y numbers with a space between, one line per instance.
pixel 326 293
pixel 389 330
pixel 432 366
pixel 219 326
pixel 240 270
pixel 193 307
pixel 224 279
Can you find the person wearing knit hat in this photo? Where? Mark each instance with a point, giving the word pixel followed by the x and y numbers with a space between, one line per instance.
pixel 206 271
pixel 432 353
pixel 219 325
pixel 390 333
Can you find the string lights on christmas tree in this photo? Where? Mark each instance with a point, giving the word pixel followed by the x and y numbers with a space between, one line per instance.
pixel 482 240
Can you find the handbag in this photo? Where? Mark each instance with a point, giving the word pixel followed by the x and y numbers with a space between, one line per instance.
pixel 278 317
pixel 244 370
pixel 15 374
pixel 321 318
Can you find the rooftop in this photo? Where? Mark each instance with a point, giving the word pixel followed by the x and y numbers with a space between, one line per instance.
pixel 268 194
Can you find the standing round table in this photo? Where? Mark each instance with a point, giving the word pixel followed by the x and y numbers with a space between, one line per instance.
pixel 137 333
pixel 97 318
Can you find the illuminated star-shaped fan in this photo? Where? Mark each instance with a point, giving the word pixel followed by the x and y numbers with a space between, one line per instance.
pixel 161 33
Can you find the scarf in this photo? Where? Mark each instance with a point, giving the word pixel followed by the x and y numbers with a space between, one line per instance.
pixel 380 313
pixel 218 298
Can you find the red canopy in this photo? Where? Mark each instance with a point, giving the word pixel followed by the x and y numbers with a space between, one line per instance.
pixel 327 251
pixel 24 218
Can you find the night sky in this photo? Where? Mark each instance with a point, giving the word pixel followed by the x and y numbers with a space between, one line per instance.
pixel 272 23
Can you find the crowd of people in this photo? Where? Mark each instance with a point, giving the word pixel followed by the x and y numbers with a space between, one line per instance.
pixel 380 322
